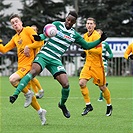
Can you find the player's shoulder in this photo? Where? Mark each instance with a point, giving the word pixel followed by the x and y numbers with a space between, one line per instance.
pixel 85 34
pixel 95 33
pixel 29 30
pixel 56 23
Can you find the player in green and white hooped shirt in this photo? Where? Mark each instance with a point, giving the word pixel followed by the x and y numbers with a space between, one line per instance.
pixel 49 57
pixel 106 54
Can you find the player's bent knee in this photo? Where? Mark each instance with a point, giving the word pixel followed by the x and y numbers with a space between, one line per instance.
pixel 14 82
pixel 102 88
pixel 82 84
pixel 66 85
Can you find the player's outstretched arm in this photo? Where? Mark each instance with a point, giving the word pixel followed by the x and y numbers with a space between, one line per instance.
pixel 88 45
pixel 37 37
pixel 40 37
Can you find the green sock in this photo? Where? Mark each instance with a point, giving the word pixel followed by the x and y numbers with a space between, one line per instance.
pixel 101 95
pixel 65 94
pixel 23 83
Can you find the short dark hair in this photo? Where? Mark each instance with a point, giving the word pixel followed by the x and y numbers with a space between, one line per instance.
pixel 14 16
pixel 73 13
pixel 93 19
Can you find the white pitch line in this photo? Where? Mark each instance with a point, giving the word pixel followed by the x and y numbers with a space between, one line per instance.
pixel 119 98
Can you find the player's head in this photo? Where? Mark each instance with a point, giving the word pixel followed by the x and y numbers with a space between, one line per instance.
pixel 90 24
pixel 71 19
pixel 16 22
pixel 99 31
pixel 34 28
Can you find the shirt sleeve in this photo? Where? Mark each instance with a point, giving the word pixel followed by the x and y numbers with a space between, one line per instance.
pixel 109 51
pixel 34 44
pixel 128 51
pixel 86 45
pixel 97 50
pixel 10 45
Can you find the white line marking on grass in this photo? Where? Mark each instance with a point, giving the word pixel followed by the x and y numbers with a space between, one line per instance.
pixel 119 98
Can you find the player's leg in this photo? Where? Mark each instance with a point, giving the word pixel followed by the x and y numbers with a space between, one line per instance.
pixel 58 71
pixel 107 96
pixel 34 87
pixel 30 99
pixel 39 92
pixel 83 79
pixel 41 112
pixel 85 93
pixel 34 102
pixel 100 99
pixel 14 80
pixel 63 80
pixel 35 70
pixel 105 90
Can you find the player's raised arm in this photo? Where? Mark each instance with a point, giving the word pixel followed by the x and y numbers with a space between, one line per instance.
pixel 127 54
pixel 89 45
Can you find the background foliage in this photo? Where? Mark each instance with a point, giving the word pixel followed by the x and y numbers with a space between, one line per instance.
pixel 114 17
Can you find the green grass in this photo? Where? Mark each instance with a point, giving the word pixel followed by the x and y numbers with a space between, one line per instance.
pixel 15 118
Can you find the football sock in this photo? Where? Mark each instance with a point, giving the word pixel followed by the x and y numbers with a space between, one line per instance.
pixel 85 93
pixel 37 83
pixel 106 95
pixel 65 94
pixel 39 111
pixel 101 95
pixel 34 86
pixel 26 89
pixel 35 104
pixel 22 84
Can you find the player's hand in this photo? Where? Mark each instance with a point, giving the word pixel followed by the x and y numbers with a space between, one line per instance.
pixel 103 37
pixel 83 54
pixel 106 57
pixel 36 37
pixel 130 57
pixel 26 51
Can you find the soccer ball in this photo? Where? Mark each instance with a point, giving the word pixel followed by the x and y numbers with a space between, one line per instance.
pixel 50 30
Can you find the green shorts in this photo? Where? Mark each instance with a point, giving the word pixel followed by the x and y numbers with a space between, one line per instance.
pixel 55 67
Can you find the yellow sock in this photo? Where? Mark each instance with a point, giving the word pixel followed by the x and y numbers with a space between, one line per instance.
pixel 35 104
pixel 37 83
pixel 106 95
pixel 26 89
pixel 35 89
pixel 85 93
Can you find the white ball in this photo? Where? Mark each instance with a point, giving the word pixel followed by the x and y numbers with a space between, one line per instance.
pixel 50 30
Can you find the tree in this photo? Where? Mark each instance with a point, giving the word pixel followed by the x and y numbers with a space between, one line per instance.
pixel 113 17
pixel 5 30
pixel 39 12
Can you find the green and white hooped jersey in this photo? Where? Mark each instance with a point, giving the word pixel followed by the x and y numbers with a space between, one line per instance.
pixel 56 46
pixel 104 53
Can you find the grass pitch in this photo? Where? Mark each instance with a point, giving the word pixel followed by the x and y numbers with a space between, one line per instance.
pixel 15 118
